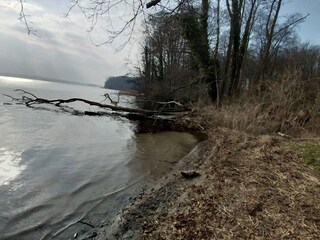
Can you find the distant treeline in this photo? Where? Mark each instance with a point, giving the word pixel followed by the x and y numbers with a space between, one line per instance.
pixel 121 83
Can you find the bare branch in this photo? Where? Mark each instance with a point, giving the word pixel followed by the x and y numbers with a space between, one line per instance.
pixel 107 96
pixel 23 18
pixel 292 24
pixel 153 3
pixel 25 92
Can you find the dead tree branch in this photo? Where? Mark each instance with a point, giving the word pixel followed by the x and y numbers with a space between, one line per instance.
pixel 31 100
pixel 24 19
pixel 107 96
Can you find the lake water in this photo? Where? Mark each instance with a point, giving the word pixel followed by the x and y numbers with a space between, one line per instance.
pixel 57 168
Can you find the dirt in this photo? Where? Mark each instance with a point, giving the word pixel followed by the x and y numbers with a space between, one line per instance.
pixel 250 187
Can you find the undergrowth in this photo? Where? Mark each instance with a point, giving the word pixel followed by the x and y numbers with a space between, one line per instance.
pixel 287 105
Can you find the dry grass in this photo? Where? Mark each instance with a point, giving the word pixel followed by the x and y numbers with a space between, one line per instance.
pixel 250 189
pixel 287 105
pixel 248 118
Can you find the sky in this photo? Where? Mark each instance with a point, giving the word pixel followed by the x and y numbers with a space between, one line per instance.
pixel 309 30
pixel 64 49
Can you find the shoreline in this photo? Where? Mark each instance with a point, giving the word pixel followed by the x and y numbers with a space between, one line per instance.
pixel 113 228
pixel 249 187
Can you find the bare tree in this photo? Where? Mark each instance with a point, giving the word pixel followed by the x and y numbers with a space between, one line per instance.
pixel 166 58
pixel 275 35
pixel 115 24
pixel 242 19
pixel 161 49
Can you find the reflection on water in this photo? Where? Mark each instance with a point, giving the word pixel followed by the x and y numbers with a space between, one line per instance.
pixel 56 169
pixel 10 166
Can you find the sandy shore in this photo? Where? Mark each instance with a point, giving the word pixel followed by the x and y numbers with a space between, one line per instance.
pixel 249 188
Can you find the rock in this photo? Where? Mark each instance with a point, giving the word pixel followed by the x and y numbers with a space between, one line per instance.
pixel 190 174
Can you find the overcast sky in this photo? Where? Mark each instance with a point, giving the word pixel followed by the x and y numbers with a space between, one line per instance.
pixel 64 49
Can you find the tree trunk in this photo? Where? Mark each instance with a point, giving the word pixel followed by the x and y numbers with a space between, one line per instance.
pixel 265 55
pixel 196 33
pixel 232 58
pixel 244 47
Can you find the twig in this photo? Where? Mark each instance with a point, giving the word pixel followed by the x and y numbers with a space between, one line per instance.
pixel 284 135
pixel 25 92
pixel 23 18
pixel 170 102
pixel 13 99
pixel 85 223
pixel 107 96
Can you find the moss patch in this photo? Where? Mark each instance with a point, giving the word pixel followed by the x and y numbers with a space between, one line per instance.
pixel 310 152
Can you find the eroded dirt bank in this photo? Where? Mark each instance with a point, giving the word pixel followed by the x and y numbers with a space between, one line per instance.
pixel 249 188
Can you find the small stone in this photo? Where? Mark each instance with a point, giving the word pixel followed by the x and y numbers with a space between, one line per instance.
pixel 190 174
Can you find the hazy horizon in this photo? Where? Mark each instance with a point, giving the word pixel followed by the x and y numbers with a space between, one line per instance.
pixel 64 49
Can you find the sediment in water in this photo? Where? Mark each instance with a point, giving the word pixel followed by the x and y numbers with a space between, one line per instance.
pixel 250 187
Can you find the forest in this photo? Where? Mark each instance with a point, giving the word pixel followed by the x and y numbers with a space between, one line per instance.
pixel 239 57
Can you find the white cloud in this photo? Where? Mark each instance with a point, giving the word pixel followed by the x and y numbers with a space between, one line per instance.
pixel 63 49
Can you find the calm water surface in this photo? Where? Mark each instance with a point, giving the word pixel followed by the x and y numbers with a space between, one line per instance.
pixel 56 169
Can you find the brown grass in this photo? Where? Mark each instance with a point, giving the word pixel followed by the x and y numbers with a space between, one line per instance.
pixel 287 106
pixel 250 188
pixel 251 191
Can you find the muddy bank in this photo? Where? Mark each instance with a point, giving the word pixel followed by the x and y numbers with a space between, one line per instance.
pixel 162 187
pixel 156 125
pixel 250 187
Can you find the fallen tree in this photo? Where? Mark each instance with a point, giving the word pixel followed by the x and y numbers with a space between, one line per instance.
pixel 31 100
pixel 149 120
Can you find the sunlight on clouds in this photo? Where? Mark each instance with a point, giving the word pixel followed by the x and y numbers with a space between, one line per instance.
pixel 17 81
pixel 63 50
